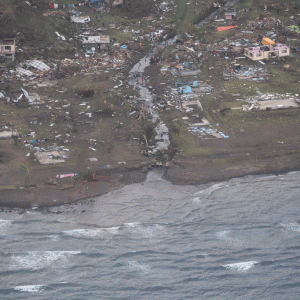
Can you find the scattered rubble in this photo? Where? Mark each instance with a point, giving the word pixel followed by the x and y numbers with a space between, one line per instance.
pixel 53 157
pixel 245 72
pixel 270 101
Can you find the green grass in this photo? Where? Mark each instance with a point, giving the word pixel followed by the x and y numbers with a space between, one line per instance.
pixel 8 187
pixel 254 121
pixel 86 82
pixel 187 145
pixel 5 157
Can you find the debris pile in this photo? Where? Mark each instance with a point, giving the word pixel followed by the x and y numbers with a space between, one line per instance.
pixel 245 72
pixel 271 101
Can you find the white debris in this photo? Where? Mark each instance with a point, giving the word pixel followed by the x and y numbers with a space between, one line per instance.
pixel 24 72
pixel 85 19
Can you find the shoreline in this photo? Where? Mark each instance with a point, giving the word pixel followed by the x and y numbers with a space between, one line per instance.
pixel 43 197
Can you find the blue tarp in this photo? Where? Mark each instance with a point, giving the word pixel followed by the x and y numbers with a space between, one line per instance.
pixel 124 47
pixel 185 90
pixel 195 83
pixel 187 65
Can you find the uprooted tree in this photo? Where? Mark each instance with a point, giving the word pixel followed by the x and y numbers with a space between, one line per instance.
pixel 148 132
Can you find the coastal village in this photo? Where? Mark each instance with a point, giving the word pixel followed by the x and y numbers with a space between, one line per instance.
pixel 101 91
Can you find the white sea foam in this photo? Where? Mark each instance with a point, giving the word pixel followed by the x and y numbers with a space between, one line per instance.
pixel 132 225
pixel 147 231
pixel 211 189
pixel 40 259
pixel 241 266
pixel 292 226
pixel 228 237
pixel 138 266
pixel 4 224
pixel 92 232
pixel 53 237
pixel 30 288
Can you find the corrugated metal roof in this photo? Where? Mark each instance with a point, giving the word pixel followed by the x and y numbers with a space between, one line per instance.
pixel 24 72
pixel 38 65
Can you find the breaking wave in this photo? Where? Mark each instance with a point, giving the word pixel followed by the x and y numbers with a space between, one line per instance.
pixel 241 267
pixel 53 237
pixel 138 266
pixel 292 226
pixel 132 225
pixel 4 224
pixel 229 237
pixel 40 259
pixel 92 232
pixel 211 189
pixel 146 231
pixel 30 288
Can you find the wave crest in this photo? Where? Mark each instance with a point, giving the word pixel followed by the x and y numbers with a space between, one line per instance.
pixel 40 259
pixel 91 232
pixel 211 189
pixel 241 266
pixel 292 226
pixel 30 288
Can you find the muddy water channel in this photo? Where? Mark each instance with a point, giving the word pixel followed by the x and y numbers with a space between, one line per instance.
pixel 146 97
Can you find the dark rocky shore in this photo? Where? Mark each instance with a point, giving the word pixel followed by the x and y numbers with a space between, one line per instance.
pixel 179 172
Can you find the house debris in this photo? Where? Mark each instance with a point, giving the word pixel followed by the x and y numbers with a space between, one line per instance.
pixel 37 64
pixel 230 15
pixel 24 72
pixel 270 101
pixel 82 20
pixel 35 68
pixel 241 72
pixel 95 42
pixel 53 157
pixel 26 99
pixel 6 135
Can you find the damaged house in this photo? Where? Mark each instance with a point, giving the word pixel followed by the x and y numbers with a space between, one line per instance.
pixel 268 50
pixel 95 42
pixel 8 48
pixel 230 15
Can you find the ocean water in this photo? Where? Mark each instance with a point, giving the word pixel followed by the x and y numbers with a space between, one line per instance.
pixel 238 239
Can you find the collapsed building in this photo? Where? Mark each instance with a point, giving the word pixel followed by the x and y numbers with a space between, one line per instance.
pixel 95 42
